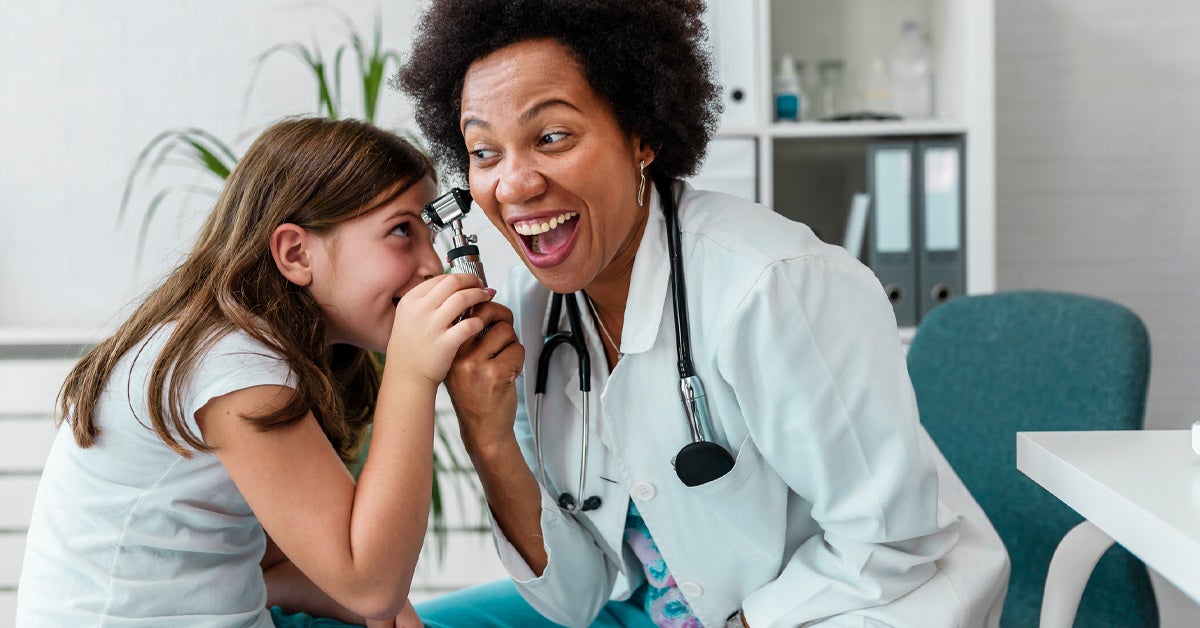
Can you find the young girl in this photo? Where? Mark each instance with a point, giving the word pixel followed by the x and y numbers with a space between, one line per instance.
pixel 228 403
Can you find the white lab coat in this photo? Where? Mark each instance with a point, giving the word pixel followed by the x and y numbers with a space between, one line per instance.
pixel 839 510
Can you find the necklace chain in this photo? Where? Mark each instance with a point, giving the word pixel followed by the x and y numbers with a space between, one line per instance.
pixel 599 321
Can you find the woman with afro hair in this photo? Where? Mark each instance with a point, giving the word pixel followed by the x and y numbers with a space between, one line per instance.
pixel 821 500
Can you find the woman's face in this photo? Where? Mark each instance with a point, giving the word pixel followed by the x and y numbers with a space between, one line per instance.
pixel 550 165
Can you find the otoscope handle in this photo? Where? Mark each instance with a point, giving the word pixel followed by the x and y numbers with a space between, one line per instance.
pixel 465 259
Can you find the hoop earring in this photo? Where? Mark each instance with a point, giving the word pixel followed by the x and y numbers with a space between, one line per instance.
pixel 642 184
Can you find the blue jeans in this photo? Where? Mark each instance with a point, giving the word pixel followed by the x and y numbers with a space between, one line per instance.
pixel 492 605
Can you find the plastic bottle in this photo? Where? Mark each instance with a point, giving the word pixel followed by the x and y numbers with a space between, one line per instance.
pixel 789 98
pixel 912 74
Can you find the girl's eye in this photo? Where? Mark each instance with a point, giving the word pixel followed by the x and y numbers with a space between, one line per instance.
pixel 400 230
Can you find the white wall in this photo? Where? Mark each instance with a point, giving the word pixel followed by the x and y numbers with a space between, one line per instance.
pixel 83 87
pixel 1098 152
pixel 1098 148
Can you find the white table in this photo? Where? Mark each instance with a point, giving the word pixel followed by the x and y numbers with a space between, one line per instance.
pixel 1142 488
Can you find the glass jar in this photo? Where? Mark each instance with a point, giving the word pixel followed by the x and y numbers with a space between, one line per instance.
pixel 830 90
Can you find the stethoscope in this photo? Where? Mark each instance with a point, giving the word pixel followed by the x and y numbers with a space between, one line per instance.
pixel 701 460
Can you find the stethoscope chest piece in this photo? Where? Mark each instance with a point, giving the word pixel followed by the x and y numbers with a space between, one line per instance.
pixel 702 462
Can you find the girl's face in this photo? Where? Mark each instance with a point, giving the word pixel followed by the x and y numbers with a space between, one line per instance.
pixel 550 165
pixel 363 267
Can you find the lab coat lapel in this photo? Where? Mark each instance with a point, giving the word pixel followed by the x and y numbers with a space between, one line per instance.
pixel 648 283
pixel 644 311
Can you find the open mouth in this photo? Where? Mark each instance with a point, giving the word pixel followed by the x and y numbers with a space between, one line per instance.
pixel 544 237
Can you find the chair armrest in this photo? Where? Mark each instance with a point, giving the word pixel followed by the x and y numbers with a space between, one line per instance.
pixel 1070 568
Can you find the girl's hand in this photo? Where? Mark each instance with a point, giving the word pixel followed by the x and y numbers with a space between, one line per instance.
pixel 424 335
pixel 406 619
pixel 482 379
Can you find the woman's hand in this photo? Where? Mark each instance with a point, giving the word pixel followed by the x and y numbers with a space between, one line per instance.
pixel 482 379
pixel 425 336
pixel 483 388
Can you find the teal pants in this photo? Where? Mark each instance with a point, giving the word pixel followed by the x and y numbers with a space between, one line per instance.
pixel 492 605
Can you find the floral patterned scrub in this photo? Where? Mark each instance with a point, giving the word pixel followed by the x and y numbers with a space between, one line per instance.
pixel 662 600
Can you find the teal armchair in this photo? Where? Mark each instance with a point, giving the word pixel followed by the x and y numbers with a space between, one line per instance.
pixel 986 367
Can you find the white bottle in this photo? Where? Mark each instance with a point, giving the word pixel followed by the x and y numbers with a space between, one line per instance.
pixel 789 98
pixel 912 74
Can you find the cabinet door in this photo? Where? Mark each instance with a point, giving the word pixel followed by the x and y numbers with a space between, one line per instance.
pixel 730 167
pixel 731 27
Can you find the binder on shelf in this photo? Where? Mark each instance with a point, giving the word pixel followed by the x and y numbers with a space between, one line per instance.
pixel 891 246
pixel 940 261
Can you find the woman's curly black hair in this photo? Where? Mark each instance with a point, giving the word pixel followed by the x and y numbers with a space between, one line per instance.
pixel 648 58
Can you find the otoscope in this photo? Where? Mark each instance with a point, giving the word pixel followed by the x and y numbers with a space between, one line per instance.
pixel 447 212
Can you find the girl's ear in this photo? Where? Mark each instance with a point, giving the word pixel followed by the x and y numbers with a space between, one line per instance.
pixel 290 246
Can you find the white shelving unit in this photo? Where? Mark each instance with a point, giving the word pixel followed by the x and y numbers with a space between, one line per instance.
pixel 748 38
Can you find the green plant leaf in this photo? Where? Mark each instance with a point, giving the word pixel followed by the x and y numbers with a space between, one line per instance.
pixel 313 60
pixel 206 152
pixel 209 159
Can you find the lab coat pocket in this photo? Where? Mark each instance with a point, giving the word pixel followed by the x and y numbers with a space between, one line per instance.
pixel 748 504
pixel 748 461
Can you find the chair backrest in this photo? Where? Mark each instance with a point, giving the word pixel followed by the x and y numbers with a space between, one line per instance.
pixel 986 367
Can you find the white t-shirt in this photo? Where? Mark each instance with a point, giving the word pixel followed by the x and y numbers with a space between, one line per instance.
pixel 129 533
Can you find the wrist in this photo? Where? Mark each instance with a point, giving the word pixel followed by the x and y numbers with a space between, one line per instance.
pixel 490 446
pixel 486 448
pixel 407 378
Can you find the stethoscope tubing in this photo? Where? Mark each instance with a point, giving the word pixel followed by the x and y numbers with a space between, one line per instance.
pixel 554 339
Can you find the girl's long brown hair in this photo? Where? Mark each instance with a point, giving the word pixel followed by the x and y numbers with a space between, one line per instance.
pixel 312 172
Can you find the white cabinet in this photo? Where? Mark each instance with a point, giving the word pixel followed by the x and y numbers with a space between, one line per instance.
pixel 810 170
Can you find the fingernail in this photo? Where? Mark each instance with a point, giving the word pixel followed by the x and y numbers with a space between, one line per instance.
pixel 491 291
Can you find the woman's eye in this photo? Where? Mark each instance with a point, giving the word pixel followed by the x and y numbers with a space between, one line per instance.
pixel 551 138
pixel 482 154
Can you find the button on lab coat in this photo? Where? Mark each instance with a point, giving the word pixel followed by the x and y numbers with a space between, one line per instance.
pixel 839 510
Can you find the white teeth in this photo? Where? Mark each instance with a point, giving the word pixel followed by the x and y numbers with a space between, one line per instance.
pixel 533 228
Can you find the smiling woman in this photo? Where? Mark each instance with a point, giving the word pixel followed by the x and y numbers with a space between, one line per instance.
pixel 817 498
pixel 554 149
